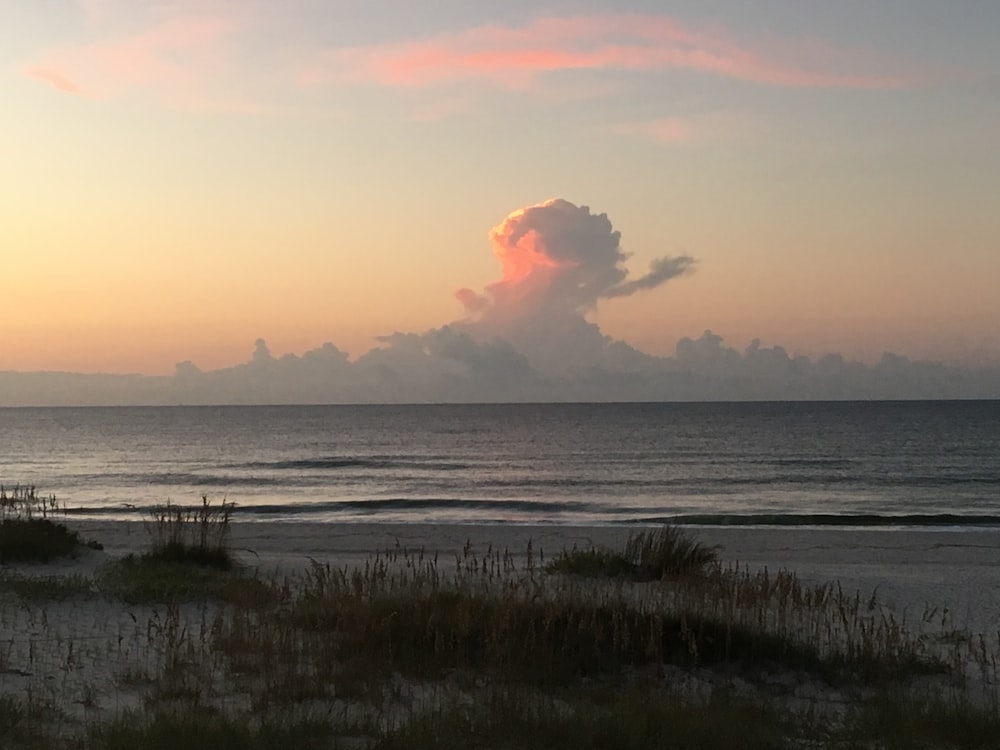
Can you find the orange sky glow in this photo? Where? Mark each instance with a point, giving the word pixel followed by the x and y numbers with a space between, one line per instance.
pixel 183 178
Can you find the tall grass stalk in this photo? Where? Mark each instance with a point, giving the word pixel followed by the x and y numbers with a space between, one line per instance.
pixel 198 534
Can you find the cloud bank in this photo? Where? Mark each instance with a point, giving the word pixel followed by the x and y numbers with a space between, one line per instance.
pixel 449 366
pixel 525 337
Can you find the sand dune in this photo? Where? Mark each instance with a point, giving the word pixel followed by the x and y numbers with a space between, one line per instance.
pixel 911 569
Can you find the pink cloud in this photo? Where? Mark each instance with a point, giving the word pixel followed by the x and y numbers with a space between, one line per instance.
pixel 196 54
pixel 173 57
pixel 515 55
pixel 54 78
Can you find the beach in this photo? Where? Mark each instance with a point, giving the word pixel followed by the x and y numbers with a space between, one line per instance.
pixel 96 656
pixel 910 569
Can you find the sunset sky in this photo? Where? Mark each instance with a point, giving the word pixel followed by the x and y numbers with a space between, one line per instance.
pixel 181 177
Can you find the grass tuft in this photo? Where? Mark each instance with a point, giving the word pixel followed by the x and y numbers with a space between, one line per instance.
pixel 27 534
pixel 195 536
pixel 36 540
pixel 667 552
pixel 189 558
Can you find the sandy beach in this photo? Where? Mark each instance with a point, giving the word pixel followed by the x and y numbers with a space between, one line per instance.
pixel 911 569
pixel 94 657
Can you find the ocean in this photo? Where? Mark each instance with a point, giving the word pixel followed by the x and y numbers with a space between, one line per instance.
pixel 929 464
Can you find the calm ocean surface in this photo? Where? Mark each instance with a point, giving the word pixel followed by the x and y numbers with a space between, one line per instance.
pixel 895 463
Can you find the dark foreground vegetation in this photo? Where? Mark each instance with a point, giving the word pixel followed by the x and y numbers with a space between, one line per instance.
pixel 28 532
pixel 656 645
pixel 667 552
pixel 188 557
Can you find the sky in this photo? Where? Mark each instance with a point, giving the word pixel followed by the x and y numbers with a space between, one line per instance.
pixel 181 178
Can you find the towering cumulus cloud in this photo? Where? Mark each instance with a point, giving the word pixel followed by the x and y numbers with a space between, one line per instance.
pixel 560 259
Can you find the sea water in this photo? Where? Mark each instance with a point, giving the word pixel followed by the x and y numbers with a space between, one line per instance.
pixel 841 463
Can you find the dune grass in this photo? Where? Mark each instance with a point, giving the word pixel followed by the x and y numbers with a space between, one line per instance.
pixel 139 579
pixel 404 614
pixel 489 650
pixel 12 715
pixel 28 534
pixel 206 730
pixel 51 588
pixel 189 557
pixel 529 637
pixel 633 720
pixel 666 552
pixel 196 535
pixel 901 723
pixel 36 540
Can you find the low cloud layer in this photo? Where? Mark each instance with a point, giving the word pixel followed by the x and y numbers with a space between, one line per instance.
pixel 449 366
pixel 525 337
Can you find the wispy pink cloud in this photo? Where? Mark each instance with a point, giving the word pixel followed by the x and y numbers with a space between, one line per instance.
pixel 514 56
pixel 203 54
pixel 172 58
pixel 54 78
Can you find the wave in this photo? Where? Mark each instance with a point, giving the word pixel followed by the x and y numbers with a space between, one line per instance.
pixel 186 479
pixel 829 519
pixel 357 462
pixel 366 507
pixel 827 463
pixel 561 512
pixel 372 507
